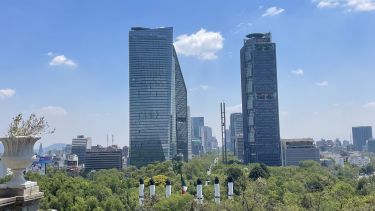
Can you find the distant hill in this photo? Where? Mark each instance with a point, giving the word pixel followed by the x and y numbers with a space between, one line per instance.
pixel 57 146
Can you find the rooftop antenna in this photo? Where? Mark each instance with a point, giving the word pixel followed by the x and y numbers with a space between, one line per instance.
pixel 112 139
pixel 107 140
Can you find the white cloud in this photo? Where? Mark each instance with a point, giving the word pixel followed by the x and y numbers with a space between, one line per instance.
pixel 204 87
pixel 361 5
pixel 322 83
pixel 349 5
pixel 370 105
pixel 242 27
pixel 6 93
pixel 61 60
pixel 327 3
pixel 297 72
pixel 234 108
pixel 202 44
pixel 272 11
pixel 336 105
pixel 52 110
pixel 201 88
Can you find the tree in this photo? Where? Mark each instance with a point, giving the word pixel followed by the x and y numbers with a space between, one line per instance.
pixel 342 192
pixel 258 172
pixel 368 169
pixel 113 204
pixel 92 202
pixel 234 172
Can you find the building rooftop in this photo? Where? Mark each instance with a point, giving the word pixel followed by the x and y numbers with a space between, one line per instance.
pixel 258 38
pixel 99 148
pixel 258 35
pixel 138 28
pixel 296 142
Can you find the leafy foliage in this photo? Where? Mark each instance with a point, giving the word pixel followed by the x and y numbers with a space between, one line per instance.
pixel 259 171
pixel 257 187
pixel 33 126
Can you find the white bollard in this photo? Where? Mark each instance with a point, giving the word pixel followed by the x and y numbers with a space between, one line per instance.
pixel 199 191
pixel 152 188
pixel 217 190
pixel 230 188
pixel 168 189
pixel 141 191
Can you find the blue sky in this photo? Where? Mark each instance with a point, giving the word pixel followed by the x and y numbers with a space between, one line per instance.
pixel 68 60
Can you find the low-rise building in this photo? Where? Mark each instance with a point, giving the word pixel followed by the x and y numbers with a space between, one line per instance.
pixel 296 150
pixel 99 157
pixel 358 160
pixel 71 161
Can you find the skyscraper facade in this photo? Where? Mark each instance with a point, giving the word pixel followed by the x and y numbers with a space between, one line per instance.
pixel 206 138
pixel 296 150
pixel 360 136
pixel 99 157
pixel 196 124
pixel 79 146
pixel 157 116
pixel 182 112
pixel 190 148
pixel 260 100
pixel 236 134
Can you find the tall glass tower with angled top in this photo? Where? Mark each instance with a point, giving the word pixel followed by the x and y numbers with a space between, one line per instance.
pixel 260 100
pixel 157 97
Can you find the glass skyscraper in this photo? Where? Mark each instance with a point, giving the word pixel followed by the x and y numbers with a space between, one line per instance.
pixel 260 100
pixel 197 123
pixel 361 135
pixel 157 98
pixel 236 134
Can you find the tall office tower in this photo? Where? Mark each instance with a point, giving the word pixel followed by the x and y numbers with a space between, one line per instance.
pixel 182 123
pixel 227 140
pixel 214 144
pixel 79 147
pixel 190 153
pixel 360 136
pixel 236 132
pixel 156 112
pixel 197 123
pixel 206 138
pixel 260 107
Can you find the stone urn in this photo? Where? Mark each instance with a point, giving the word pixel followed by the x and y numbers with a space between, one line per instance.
pixel 18 155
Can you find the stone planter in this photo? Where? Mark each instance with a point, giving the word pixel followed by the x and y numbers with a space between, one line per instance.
pixel 18 155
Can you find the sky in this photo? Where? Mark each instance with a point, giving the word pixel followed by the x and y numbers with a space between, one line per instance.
pixel 67 60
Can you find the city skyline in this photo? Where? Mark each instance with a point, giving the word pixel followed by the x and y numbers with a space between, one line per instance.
pixel 75 72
